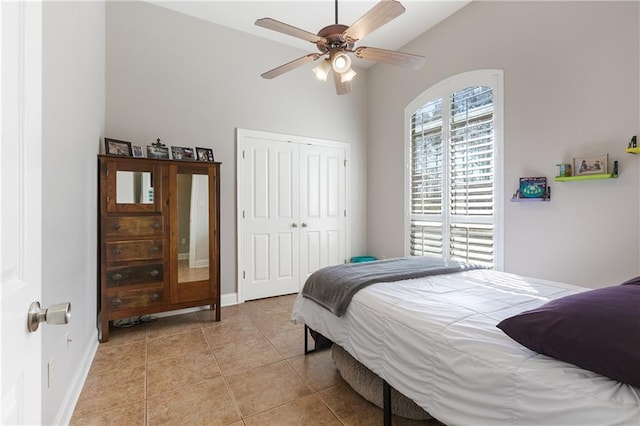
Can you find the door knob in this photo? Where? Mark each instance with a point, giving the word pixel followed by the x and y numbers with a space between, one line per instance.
pixel 304 225
pixel 294 225
pixel 56 314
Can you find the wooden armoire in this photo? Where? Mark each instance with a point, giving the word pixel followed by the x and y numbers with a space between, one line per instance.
pixel 159 237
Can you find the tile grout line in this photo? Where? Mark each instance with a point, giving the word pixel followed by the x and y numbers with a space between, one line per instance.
pixel 236 406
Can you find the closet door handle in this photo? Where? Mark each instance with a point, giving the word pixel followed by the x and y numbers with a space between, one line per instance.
pixel 294 225
pixel 304 225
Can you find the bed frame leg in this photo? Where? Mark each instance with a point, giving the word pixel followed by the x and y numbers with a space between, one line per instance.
pixel 386 403
pixel 306 340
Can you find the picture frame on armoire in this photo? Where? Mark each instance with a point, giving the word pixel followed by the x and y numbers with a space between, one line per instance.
pixel 204 154
pixel 182 153
pixel 117 147
pixel 161 152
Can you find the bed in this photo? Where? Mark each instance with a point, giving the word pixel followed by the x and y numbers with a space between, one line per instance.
pixel 435 340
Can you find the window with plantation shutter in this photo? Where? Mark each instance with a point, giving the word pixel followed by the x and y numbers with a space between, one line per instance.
pixel 454 168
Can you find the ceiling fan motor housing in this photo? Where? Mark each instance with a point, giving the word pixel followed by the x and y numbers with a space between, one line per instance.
pixel 334 37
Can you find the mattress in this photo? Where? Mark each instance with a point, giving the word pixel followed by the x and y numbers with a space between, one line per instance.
pixel 435 340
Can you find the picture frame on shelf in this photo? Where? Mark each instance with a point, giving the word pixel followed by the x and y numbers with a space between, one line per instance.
pixel 117 147
pixel 161 152
pixel 533 187
pixel 137 151
pixel 593 165
pixel 563 170
pixel 182 153
pixel 204 154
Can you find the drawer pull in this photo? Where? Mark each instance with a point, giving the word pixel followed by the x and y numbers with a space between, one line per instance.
pixel 154 273
pixel 155 225
pixel 116 302
pixel 154 297
pixel 116 277
pixel 115 227
pixel 116 250
pixel 154 249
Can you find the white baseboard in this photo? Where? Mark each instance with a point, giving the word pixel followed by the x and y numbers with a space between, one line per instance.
pixel 63 417
pixel 229 299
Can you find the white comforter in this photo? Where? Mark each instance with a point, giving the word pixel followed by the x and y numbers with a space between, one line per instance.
pixel 435 340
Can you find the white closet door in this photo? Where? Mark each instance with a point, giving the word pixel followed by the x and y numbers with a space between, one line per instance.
pixel 271 218
pixel 292 201
pixel 322 208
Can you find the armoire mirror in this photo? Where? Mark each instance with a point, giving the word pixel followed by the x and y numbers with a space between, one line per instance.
pixel 133 187
pixel 193 227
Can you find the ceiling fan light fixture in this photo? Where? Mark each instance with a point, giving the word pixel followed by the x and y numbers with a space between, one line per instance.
pixel 348 75
pixel 341 62
pixel 322 70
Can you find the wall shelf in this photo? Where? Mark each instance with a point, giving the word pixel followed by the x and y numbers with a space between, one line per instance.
pixel 633 150
pixel 528 200
pixel 586 177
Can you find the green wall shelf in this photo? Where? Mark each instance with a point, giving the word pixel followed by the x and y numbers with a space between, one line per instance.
pixel 586 177
pixel 633 150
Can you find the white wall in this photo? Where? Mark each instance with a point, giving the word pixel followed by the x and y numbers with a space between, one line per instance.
pixel 571 88
pixel 73 121
pixel 192 83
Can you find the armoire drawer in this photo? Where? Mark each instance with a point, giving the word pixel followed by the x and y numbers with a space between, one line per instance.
pixel 121 300
pixel 134 250
pixel 129 275
pixel 134 226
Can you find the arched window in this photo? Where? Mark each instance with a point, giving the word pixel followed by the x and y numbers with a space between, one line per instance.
pixel 454 169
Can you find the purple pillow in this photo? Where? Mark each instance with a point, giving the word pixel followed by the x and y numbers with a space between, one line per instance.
pixel 635 280
pixel 598 330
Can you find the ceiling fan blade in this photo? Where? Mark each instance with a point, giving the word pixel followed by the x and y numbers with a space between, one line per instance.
pixel 376 17
pixel 342 88
pixel 287 29
pixel 390 57
pixel 291 65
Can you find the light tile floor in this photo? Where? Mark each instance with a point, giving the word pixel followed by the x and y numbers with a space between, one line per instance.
pixel 248 369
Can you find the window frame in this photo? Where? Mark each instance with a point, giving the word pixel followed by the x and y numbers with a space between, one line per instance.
pixel 492 78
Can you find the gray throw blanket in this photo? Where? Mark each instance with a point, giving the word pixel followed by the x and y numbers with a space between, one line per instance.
pixel 333 287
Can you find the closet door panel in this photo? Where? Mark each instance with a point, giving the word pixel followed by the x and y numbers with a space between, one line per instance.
pixel 323 207
pixel 271 218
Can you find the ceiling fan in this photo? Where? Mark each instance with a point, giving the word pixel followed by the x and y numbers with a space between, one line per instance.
pixel 336 41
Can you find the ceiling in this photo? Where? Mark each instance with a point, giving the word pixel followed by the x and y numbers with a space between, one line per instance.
pixel 312 15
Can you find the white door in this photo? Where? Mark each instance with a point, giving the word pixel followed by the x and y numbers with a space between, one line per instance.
pixel 322 208
pixel 292 211
pixel 270 237
pixel 20 208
